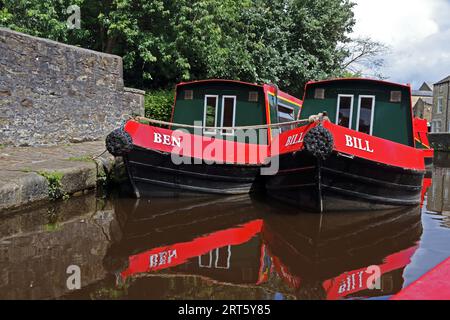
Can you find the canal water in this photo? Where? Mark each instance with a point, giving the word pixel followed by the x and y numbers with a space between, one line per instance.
pixel 237 247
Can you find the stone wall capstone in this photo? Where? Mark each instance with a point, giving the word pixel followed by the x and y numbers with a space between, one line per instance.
pixel 53 93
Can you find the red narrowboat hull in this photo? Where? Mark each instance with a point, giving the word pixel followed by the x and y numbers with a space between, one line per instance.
pixel 153 170
pixel 362 172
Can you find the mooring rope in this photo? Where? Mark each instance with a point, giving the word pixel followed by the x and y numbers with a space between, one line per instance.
pixel 98 156
pixel 263 126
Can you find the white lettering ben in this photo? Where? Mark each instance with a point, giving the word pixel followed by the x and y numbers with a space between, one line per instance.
pixel 166 139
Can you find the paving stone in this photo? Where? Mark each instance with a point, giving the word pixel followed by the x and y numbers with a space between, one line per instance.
pixel 22 168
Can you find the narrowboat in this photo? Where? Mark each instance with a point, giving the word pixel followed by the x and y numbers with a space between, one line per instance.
pixel 202 150
pixel 360 154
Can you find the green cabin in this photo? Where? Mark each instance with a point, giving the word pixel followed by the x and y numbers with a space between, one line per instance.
pixel 228 103
pixel 377 108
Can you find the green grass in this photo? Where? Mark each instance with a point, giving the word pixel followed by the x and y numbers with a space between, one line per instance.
pixel 54 185
pixel 81 158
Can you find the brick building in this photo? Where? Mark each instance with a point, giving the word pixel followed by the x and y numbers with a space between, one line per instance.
pixel 441 111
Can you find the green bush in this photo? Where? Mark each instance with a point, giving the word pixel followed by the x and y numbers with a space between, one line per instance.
pixel 158 104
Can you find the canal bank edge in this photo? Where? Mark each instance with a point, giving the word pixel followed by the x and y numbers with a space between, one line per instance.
pixel 27 180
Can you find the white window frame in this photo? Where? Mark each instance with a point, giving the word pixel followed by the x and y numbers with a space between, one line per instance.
pixel 201 265
pixel 206 131
pixel 434 126
pixel 371 112
pixel 287 107
pixel 351 108
pixel 441 99
pixel 228 258
pixel 223 112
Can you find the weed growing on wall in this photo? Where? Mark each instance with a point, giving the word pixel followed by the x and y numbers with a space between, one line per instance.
pixel 54 185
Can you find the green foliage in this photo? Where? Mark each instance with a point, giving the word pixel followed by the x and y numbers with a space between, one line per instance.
pixel 158 104
pixel 81 158
pixel 55 190
pixel 350 74
pixel 162 42
pixel 52 220
pixel 108 294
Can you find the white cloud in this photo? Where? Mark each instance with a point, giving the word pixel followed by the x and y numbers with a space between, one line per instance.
pixel 417 32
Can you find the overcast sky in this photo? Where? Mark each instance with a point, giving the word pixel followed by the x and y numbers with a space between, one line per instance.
pixel 417 32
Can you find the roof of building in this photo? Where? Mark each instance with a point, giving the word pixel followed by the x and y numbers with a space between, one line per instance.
pixel 446 79
pixel 427 100
pixel 421 93
pixel 426 87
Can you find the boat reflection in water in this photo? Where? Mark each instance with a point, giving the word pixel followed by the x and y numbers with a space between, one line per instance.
pixel 241 248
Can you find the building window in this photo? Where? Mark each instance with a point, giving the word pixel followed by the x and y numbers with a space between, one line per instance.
pixel 364 118
pixel 441 88
pixel 436 126
pixel 228 113
pixel 210 113
pixel 285 114
pixel 439 105
pixel 344 110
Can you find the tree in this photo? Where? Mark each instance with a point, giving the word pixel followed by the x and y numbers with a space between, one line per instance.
pixel 162 42
pixel 364 57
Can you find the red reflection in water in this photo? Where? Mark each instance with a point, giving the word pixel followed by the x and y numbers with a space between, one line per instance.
pixel 176 254
pixel 338 287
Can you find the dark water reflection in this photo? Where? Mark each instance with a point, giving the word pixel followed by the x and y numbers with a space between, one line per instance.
pixel 219 248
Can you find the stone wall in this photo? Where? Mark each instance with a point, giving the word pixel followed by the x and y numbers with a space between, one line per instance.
pixel 52 93
pixel 440 141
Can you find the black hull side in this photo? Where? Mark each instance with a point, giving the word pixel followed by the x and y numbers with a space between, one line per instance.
pixel 341 183
pixel 153 173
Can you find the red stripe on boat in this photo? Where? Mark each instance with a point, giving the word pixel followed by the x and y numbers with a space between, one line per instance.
pixel 195 146
pixel 356 280
pixel 346 141
pixel 354 143
pixel 179 253
pixel 433 285
pixel 376 149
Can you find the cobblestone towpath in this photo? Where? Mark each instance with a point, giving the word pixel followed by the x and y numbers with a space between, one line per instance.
pixel 31 174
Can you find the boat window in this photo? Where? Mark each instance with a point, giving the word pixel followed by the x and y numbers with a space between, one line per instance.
pixel 210 113
pixel 365 114
pixel 396 96
pixel 223 257
pixel 285 114
pixel 228 113
pixel 344 110
pixel 188 94
pixel 319 93
pixel 253 96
